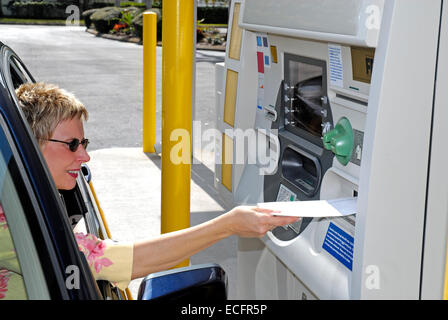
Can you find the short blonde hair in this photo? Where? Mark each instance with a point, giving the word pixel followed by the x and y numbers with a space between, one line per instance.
pixel 46 105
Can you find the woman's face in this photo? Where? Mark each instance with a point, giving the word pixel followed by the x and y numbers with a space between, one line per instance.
pixel 64 164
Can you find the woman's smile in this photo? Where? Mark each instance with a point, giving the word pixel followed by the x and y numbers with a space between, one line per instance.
pixel 73 173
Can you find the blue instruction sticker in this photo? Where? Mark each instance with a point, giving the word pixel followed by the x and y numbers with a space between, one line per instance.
pixel 265 42
pixel 339 244
pixel 266 60
pixel 259 43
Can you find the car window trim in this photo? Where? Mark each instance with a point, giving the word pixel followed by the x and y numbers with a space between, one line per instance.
pixel 20 68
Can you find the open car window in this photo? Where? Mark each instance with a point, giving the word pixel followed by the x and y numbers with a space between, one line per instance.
pixel 18 73
pixel 13 72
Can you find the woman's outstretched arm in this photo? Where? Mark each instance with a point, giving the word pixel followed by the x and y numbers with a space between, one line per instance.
pixel 170 249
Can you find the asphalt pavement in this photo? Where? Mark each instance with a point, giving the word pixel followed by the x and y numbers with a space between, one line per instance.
pixel 106 75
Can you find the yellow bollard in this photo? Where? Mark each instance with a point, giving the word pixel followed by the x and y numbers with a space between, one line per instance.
pixel 149 80
pixel 445 287
pixel 177 86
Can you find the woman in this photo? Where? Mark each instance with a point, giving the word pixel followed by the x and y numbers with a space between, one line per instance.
pixel 56 119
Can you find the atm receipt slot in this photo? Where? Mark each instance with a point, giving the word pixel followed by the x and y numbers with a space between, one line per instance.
pixel 270 113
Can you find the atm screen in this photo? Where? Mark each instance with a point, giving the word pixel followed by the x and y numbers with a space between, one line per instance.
pixel 306 94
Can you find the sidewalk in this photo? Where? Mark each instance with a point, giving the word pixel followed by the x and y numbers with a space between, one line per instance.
pixel 127 183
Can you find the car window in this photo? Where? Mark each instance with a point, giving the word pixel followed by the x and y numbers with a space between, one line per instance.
pixel 21 274
pixel 14 72
pixel 18 73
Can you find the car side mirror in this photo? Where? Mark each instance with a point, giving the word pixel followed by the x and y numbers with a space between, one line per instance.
pixel 205 282
pixel 86 172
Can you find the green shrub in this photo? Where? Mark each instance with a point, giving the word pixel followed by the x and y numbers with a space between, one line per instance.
pixel 127 16
pixel 86 16
pixel 137 22
pixel 99 5
pixel 104 19
pixel 132 10
pixel 133 4
pixel 157 4
pixel 219 15
pixel 39 10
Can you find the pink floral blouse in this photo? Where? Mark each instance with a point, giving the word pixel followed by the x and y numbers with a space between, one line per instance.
pixel 107 259
pixel 11 280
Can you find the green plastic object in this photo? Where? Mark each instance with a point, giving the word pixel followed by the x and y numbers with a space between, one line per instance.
pixel 340 140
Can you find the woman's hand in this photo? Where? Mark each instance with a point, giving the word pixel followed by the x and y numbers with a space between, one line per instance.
pixel 250 221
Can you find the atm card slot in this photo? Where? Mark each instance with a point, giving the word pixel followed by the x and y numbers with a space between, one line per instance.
pixel 270 113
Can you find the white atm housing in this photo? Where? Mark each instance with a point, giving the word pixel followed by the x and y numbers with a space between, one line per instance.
pixel 380 64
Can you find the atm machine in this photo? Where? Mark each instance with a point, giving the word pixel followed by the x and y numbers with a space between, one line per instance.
pixel 330 100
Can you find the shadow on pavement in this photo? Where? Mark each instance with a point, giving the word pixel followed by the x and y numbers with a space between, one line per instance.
pixel 201 175
pixel 203 57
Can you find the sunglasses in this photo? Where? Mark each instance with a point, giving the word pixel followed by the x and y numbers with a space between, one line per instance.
pixel 74 144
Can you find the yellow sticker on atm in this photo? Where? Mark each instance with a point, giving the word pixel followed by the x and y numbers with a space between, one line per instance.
pixel 362 63
pixel 274 54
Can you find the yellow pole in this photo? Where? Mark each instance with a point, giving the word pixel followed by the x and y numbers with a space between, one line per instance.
pixel 445 287
pixel 177 86
pixel 149 80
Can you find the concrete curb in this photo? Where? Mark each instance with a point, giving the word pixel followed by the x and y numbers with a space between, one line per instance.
pixel 38 24
pixel 136 40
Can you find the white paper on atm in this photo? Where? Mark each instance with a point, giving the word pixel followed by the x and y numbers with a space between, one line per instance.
pixel 313 208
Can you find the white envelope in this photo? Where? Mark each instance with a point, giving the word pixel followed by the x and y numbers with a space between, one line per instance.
pixel 313 208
